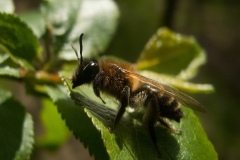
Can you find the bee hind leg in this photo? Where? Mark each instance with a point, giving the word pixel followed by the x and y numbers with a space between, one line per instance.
pixel 150 118
pixel 152 134
pixel 168 126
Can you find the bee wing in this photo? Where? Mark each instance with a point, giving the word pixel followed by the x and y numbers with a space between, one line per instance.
pixel 181 97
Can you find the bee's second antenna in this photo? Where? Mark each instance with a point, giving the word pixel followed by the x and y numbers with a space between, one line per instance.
pixel 75 51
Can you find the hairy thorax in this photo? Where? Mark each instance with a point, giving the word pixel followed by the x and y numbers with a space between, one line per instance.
pixel 114 80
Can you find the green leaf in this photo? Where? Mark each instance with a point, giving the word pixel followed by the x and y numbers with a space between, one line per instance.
pixel 4 95
pixel 98 21
pixel 35 21
pixel 172 53
pixel 131 140
pixel 78 122
pixel 26 146
pixel 11 125
pixel 6 6
pixel 18 40
pixel 194 142
pixel 9 71
pixel 8 68
pixel 52 124
pixel 60 16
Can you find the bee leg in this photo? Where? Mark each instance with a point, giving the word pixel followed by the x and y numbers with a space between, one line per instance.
pixel 97 82
pixel 97 93
pixel 168 126
pixel 150 118
pixel 124 100
pixel 152 133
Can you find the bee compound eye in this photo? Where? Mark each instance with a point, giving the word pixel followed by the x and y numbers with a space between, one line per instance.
pixel 91 70
pixel 93 64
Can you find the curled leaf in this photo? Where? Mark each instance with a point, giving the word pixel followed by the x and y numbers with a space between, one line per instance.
pixel 172 53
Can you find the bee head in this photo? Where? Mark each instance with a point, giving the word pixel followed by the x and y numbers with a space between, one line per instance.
pixel 86 70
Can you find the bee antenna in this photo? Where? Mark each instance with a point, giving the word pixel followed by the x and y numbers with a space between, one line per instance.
pixel 74 50
pixel 81 47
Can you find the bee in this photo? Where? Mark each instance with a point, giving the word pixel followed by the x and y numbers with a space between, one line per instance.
pixel 133 90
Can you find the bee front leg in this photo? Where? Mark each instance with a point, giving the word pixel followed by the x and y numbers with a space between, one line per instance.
pixel 124 100
pixel 98 81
